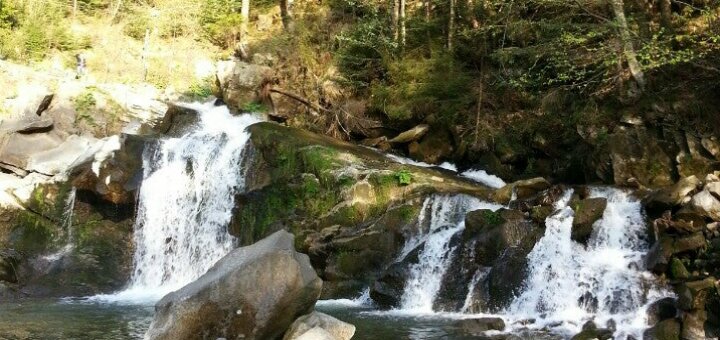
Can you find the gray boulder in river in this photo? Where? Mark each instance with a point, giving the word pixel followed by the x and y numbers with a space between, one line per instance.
pixel 255 292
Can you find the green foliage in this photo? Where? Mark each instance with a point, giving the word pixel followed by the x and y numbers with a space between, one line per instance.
pixel 492 217
pixel 404 177
pixel 30 30
pixel 201 88
pixel 419 86
pixel 254 107
pixel 361 50
pixel 85 106
pixel 221 20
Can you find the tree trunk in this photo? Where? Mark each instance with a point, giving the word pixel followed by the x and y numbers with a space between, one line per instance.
pixel 471 10
pixel 626 40
pixel 451 25
pixel 241 50
pixel 402 23
pixel 286 14
pixel 75 8
pixel 428 5
pixel 666 13
pixel 395 13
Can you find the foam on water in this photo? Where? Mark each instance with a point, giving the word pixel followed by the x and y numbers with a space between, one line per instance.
pixel 570 284
pixel 185 204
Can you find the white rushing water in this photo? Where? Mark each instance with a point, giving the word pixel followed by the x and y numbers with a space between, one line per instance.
pixel 445 216
pixel 569 283
pixel 67 220
pixel 185 203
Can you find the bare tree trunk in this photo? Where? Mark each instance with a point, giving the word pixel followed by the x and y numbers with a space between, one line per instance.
pixel 402 22
pixel 628 49
pixel 395 13
pixel 286 14
pixel 473 18
pixel 145 54
pixel 241 50
pixel 451 25
pixel 75 8
pixel 428 13
pixel 666 13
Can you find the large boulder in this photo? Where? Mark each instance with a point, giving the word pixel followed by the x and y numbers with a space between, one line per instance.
pixel 587 212
pixel 240 83
pixel 255 292
pixel 336 329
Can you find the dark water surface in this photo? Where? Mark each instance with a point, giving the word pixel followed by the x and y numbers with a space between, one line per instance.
pixel 52 319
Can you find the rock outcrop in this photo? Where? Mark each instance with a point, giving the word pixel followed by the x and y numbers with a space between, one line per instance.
pixel 351 207
pixel 254 292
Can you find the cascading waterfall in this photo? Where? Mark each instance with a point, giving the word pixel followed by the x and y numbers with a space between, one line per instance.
pixel 570 284
pixel 67 219
pixel 186 201
pixel 446 216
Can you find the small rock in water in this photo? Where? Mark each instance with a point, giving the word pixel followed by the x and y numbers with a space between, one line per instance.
pixel 307 325
pixel 480 325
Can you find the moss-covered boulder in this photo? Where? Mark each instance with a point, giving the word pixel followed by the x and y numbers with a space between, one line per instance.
pixel 351 207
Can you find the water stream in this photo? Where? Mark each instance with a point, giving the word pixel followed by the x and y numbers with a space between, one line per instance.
pixel 185 206
pixel 185 203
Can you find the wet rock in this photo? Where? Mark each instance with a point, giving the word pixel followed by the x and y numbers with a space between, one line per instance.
pixel 335 329
pixel 591 331
pixel 387 290
pixel 664 330
pixel 689 243
pixel 226 302
pixel 9 260
pixel 523 189
pixel 693 324
pixel 507 276
pixel 660 310
pixel 587 212
pixel 493 232
pixel 674 195
pixel 693 295
pixel 480 325
pixel 411 135
pixel 433 148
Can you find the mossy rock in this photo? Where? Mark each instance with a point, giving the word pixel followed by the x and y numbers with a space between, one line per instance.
pixel 678 270
pixel 587 212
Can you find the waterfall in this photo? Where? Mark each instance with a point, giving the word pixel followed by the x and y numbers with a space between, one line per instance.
pixel 67 219
pixel 446 217
pixel 569 283
pixel 185 203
